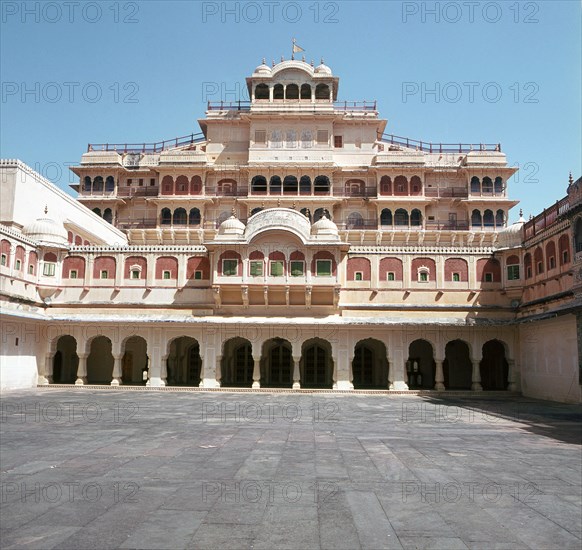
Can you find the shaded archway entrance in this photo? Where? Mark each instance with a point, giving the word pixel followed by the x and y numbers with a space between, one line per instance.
pixel 370 365
pixel 421 366
pixel 316 366
pixel 457 366
pixel 494 367
pixel 135 362
pixel 184 362
pixel 237 363
pixel 277 364
pixel 65 361
pixel 100 361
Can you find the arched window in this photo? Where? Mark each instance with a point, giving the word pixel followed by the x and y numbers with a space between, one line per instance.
pixel 400 185
pixel 355 188
pixel 166 216
pixel 194 217
pixel 259 185
pixel 109 184
pixel 487 186
pixel 385 185
pixel 539 260
pixel 355 220
pixel 290 185
pixel 278 92
pixel 195 185
pixel 108 215
pixel 386 217
pixel 476 219
pixel 551 255
pixel 256 210
pixel 513 268
pixel 488 220
pixel 275 185
pixel 322 91
pixel 564 248
pixel 262 91
pixel 475 185
pixel 305 185
pixel 97 211
pixel 180 216
pixel 87 184
pixel 226 187
pixel 321 185
pixel 415 185
pixel 498 186
pixel 167 185
pixel 527 266
pixel 181 185
pixel 416 217
pixel 401 217
pixel 98 184
pixel 305 91
pixel 292 91
pixel 499 218
pixel 578 235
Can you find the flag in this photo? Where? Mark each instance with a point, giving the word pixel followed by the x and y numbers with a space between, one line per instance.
pixel 296 48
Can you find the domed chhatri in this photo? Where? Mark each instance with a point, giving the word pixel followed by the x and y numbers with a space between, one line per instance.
pixel 47 232
pixel 511 236
pixel 263 69
pixel 232 226
pixel 323 69
pixel 324 227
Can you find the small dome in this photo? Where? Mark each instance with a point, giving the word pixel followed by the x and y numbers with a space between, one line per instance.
pixel 47 232
pixel 511 236
pixel 322 69
pixel 231 226
pixel 324 227
pixel 263 69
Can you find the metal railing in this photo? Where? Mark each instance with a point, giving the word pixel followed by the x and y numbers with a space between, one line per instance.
pixel 548 217
pixel 147 147
pixel 430 147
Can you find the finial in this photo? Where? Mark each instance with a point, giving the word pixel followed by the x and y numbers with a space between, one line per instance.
pixel 293 206
pixel 303 58
pixel 312 64
pixel 262 204
pixel 233 213
pixel 570 179
pixel 273 64
pixel 264 61
pixel 278 202
pixel 282 58
pixel 322 61
pixel 521 212
pixel 45 209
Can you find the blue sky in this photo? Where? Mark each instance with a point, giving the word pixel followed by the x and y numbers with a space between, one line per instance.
pixel 506 72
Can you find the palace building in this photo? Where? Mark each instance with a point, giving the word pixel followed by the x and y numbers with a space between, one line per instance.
pixel 291 244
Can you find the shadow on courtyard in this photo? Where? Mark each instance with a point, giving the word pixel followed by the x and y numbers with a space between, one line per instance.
pixel 559 421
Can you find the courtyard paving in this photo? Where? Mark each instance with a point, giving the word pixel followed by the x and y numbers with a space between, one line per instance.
pixel 111 469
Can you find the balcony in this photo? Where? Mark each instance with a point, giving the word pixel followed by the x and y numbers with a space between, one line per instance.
pixel 547 218
pixel 429 147
pixel 446 192
pixel 138 192
pixel 147 147
pixel 371 191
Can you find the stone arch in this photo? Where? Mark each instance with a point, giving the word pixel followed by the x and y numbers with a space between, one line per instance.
pixel 488 265
pixel 316 365
pixel 100 360
pixel 370 365
pixel 322 91
pixel 166 216
pixel 261 91
pixel 385 185
pixel 456 267
pixel 194 217
pixel 104 265
pixel 421 366
pixel 401 217
pixel 65 360
pixel 488 218
pixel 184 363
pixel 237 363
pixel 355 221
pixel 305 91
pixel 278 91
pixel 167 185
pixel 182 186
pixel 292 91
pixel 290 185
pixel 400 185
pixel 527 266
pixel 416 217
pixel 494 367
pixel 487 185
pixel 321 185
pixel 135 263
pixel 415 185
pixel 388 266
pixel 359 266
pixel 475 185
pixel 259 185
pixel 74 263
pixel 277 363
pixel 457 366
pixel 165 264
pixel 226 187
pixel 195 185
pixel 199 264
pixel 551 260
pixel 578 235
pixel 108 215
pixel 275 185
pixel 538 260
pixel 87 184
pixel 135 361
pixel 564 249
pixel 305 185
pixel 180 216
pixel 109 184
pixel 476 218
pixel 498 185
pixel 98 184
pixel 386 217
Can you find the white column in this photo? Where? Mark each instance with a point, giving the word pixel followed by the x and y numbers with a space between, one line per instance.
pixel 116 377
pixel 82 369
pixel 396 374
pixel 218 370
pixel 46 377
pixel 163 371
pixel 476 378
pixel 257 372
pixel 512 376
pixel 296 373
pixel 439 377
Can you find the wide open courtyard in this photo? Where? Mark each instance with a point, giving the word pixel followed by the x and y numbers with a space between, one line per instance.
pixel 146 469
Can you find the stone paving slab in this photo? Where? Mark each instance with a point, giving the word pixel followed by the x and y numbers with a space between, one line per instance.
pixel 113 469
